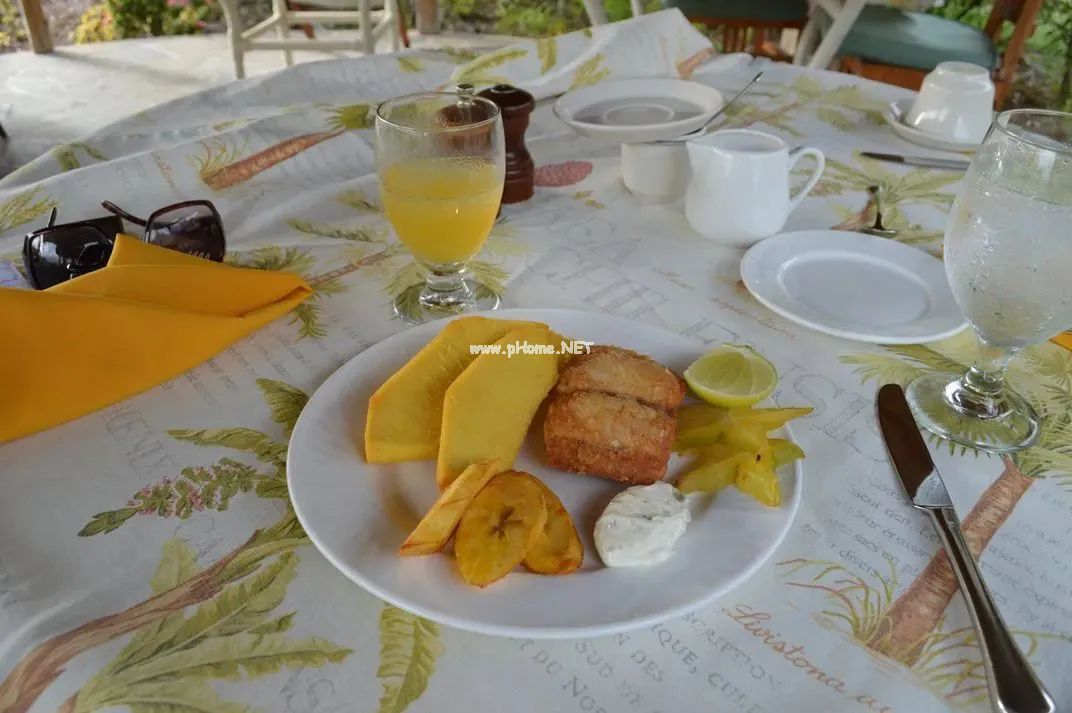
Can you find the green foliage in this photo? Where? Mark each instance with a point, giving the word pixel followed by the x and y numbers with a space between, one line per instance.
pixel 1045 77
pixel 554 17
pixel 196 488
pixel 12 31
pixel 247 440
pixel 541 18
pixel 95 25
pixel 121 19
pixel 285 401
pixel 168 664
pixel 409 647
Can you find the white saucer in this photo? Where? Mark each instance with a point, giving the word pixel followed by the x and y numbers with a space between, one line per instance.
pixel 894 116
pixel 638 110
pixel 854 286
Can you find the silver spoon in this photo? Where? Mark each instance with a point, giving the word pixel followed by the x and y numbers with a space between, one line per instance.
pixel 727 105
pixel 878 228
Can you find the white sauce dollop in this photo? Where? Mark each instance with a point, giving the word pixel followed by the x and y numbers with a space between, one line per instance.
pixel 640 525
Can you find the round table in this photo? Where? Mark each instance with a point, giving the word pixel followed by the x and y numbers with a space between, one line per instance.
pixel 120 531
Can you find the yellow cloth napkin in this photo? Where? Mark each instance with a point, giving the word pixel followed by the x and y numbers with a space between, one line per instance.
pixel 147 316
pixel 1064 339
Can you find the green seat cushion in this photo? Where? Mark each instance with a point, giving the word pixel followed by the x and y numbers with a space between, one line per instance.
pixel 759 10
pixel 887 35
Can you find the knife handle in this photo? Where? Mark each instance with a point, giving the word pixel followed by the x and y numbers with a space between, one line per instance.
pixel 1014 687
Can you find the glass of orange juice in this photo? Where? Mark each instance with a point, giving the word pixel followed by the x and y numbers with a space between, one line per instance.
pixel 441 161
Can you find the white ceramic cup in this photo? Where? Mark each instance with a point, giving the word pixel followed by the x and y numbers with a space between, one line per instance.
pixel 655 173
pixel 955 102
pixel 739 190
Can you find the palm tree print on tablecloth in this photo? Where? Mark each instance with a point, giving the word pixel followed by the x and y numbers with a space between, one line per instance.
pixel 67 155
pixel 370 248
pixel 309 314
pixel 547 52
pixel 1043 374
pixel 221 167
pixel 919 186
pixel 591 71
pixel 781 106
pixel 488 69
pixel 234 631
pixel 23 208
pixel 948 663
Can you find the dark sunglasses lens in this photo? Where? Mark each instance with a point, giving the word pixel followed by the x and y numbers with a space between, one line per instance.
pixel 192 229
pixel 58 254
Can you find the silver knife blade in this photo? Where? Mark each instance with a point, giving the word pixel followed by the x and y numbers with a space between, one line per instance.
pixel 953 164
pixel 908 451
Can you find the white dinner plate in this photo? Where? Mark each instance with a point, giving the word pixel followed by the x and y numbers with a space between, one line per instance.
pixel 637 110
pixel 853 285
pixel 894 116
pixel 358 514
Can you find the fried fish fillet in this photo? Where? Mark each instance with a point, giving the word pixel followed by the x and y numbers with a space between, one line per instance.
pixel 614 437
pixel 613 370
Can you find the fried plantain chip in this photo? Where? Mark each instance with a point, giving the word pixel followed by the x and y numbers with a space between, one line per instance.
pixel 438 524
pixel 499 527
pixel 557 549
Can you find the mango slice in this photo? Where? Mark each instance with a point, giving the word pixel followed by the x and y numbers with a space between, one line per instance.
pixel 489 407
pixel 405 413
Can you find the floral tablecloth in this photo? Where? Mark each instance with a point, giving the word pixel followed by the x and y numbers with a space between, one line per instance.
pixel 149 559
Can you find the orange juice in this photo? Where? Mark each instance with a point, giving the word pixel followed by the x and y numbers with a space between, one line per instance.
pixel 442 208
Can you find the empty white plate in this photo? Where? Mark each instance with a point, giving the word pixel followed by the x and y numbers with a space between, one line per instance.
pixel 638 110
pixel 894 116
pixel 854 286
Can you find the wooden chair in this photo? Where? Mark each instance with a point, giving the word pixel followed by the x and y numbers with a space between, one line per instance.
pixel 898 47
pixel 372 21
pixel 747 25
pixel 310 33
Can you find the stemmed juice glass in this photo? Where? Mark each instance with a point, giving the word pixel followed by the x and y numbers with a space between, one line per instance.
pixel 1008 257
pixel 441 162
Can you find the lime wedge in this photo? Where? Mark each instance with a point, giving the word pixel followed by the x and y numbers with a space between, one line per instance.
pixel 731 376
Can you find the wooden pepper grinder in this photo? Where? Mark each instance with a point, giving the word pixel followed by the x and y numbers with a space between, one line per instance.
pixel 515 105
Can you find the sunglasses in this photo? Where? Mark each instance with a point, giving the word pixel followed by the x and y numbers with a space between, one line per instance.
pixel 57 253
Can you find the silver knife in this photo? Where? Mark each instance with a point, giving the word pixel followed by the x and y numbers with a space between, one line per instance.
pixel 1013 686
pixel 953 164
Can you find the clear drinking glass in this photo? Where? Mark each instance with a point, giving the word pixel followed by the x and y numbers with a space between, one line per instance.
pixel 1008 256
pixel 441 161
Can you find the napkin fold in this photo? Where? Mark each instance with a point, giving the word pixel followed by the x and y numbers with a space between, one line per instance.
pixel 147 316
